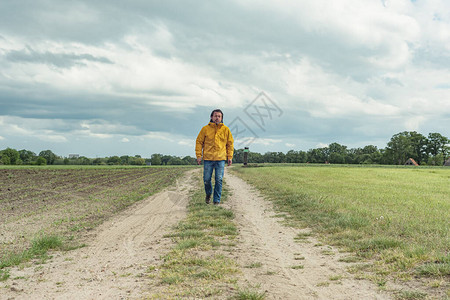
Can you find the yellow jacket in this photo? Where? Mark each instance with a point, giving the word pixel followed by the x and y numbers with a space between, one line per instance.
pixel 216 142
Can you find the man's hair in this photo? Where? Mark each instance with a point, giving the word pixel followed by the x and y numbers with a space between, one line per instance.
pixel 216 110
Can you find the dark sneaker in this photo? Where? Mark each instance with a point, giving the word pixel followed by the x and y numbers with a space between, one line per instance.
pixel 216 203
pixel 208 199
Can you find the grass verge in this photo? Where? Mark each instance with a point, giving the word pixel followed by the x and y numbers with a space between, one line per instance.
pixel 38 250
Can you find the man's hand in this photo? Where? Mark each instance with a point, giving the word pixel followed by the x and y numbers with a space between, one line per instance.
pixel 199 161
pixel 229 162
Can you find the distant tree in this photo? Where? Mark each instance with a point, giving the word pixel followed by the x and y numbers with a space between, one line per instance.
pixel 404 145
pixel 337 153
pixel 10 156
pixel 83 160
pixel 41 161
pixel 4 160
pixel 293 156
pixel 156 159
pixel 175 161
pixel 399 148
pixel 419 144
pixel 337 148
pixel 27 156
pixel 113 160
pixel 274 157
pixel 97 161
pixel 319 155
pixel 370 155
pixel 165 159
pixel 255 157
pixel 137 161
pixel 238 156
pixel 125 160
pixel 49 156
pixel 437 148
pixel 189 160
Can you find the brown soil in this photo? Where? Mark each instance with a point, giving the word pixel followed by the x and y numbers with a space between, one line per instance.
pixel 68 202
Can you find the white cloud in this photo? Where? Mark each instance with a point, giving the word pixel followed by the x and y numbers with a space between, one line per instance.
pixel 413 123
pixel 124 140
pixel 187 142
pixel 1 138
pixel 321 145
pixel 51 137
pixel 266 142
pixel 290 145
pixel 158 136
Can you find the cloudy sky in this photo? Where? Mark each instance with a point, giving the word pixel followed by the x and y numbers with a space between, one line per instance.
pixel 101 78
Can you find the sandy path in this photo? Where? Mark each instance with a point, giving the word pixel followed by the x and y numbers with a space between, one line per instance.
pixel 263 240
pixel 112 265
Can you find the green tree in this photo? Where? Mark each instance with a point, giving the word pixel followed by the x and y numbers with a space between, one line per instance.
pixel 337 153
pixel 255 157
pixel 175 161
pixel 189 160
pixel 370 155
pixel 419 145
pixel 113 160
pixel 274 157
pixel 27 156
pixel 97 161
pixel 165 159
pixel 40 161
pixel 399 148
pixel 437 148
pixel 318 155
pixel 4 160
pixel 295 156
pixel 125 160
pixel 10 156
pixel 156 159
pixel 83 160
pixel 49 156
pixel 238 156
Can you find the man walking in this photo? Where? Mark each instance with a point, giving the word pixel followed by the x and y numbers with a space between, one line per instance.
pixel 215 144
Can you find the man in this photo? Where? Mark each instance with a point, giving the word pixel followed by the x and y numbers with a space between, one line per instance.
pixel 215 144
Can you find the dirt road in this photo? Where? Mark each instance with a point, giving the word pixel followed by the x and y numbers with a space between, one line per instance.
pixel 114 264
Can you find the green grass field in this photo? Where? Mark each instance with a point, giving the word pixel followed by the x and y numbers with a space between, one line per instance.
pixel 399 217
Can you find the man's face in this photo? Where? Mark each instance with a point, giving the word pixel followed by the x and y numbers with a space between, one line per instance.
pixel 217 117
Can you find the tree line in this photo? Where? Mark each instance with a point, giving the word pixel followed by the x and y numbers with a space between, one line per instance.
pixel 430 150
pixel 11 156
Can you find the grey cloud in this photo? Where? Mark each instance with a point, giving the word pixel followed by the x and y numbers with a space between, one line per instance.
pixel 61 60
pixel 234 43
pixel 240 30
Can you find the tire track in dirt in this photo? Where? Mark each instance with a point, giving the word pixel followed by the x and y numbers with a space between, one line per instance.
pixel 268 252
pixel 114 263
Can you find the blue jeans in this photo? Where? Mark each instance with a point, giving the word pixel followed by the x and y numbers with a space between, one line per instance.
pixel 218 167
